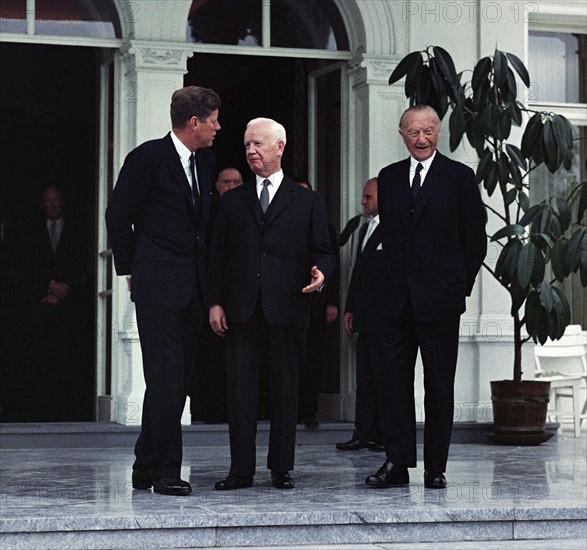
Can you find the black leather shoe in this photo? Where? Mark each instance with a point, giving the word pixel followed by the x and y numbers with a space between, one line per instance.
pixel 434 480
pixel 352 445
pixel 378 447
pixel 389 475
pixel 232 482
pixel 282 480
pixel 141 479
pixel 177 487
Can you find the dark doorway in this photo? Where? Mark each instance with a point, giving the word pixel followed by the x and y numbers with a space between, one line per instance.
pixel 262 86
pixel 48 118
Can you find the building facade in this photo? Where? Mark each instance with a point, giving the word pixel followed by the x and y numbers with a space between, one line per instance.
pixel 321 68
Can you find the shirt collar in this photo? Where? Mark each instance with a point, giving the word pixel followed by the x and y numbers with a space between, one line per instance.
pixel 183 152
pixel 425 163
pixel 276 178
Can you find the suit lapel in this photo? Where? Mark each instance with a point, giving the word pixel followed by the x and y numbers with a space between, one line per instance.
pixel 249 192
pixel 403 192
pixel 174 163
pixel 284 195
pixel 370 248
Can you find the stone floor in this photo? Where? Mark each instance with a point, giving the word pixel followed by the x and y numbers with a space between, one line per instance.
pixel 532 497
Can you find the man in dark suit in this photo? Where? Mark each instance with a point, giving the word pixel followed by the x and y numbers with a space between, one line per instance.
pixel 367 313
pixel 270 252
pixel 156 223
pixel 52 266
pixel 433 233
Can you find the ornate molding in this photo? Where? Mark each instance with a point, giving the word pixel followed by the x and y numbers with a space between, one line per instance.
pixel 148 56
pixel 365 69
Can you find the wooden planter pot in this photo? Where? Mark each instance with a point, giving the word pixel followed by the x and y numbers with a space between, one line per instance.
pixel 519 412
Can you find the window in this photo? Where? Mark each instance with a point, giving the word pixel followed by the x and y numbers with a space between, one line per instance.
pixel 86 18
pixel 310 24
pixel 554 67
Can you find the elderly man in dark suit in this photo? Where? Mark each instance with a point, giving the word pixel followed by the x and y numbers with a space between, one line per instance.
pixel 433 232
pixel 156 222
pixel 367 314
pixel 271 250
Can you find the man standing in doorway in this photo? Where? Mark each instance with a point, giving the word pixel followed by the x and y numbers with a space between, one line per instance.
pixel 433 232
pixel 367 313
pixel 156 222
pixel 270 252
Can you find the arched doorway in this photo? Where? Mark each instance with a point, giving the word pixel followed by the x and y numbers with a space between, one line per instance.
pixel 50 128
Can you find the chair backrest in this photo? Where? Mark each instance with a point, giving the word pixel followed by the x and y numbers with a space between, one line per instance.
pixel 559 354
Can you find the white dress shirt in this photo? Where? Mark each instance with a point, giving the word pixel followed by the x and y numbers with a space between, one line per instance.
pixel 184 156
pixel 425 167
pixel 373 223
pixel 274 183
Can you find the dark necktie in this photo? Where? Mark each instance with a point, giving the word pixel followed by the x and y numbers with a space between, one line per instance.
pixel 416 182
pixel 53 236
pixel 264 198
pixel 195 192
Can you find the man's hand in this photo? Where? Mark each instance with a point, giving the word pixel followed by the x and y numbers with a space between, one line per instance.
pixel 317 278
pixel 218 320
pixel 347 322
pixel 61 290
pixel 50 300
pixel 331 314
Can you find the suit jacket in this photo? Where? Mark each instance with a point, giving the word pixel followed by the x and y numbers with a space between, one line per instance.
pixel 268 256
pixel 155 232
pixel 367 297
pixel 435 252
pixel 66 265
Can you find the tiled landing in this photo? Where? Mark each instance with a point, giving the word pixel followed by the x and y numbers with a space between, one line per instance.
pixel 82 498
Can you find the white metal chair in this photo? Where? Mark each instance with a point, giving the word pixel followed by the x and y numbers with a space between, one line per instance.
pixel 563 363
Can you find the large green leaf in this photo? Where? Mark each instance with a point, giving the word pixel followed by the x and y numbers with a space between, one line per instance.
pixel 516 155
pixel 505 124
pixel 539 266
pixel 557 262
pixel 526 263
pixel 500 68
pixel 504 169
pixel 545 220
pixel 484 165
pixel 546 296
pixel 508 231
pixel 524 201
pixel 532 312
pixel 404 66
pixel 510 196
pixel 479 81
pixel 457 128
pixel 573 251
pixel 563 132
pixel 447 68
pixel 531 214
pixel 531 135
pixel 348 230
pixel 561 313
pixel 562 210
pixel 490 182
pixel 582 203
pixel 550 148
pixel 413 76
pixel 518 295
pixel 519 67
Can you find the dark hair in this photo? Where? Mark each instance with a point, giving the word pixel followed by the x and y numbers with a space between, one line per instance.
pixel 192 101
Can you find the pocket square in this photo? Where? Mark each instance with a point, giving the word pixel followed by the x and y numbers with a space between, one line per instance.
pixel 380 246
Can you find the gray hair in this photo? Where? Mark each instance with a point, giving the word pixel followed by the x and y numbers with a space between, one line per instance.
pixel 277 130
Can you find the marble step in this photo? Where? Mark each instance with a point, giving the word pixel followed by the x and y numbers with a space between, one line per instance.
pixel 111 434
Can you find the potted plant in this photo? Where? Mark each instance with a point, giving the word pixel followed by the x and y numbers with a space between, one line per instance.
pixel 541 244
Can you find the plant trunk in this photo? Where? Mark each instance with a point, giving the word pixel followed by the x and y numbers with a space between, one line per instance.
pixel 517 348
